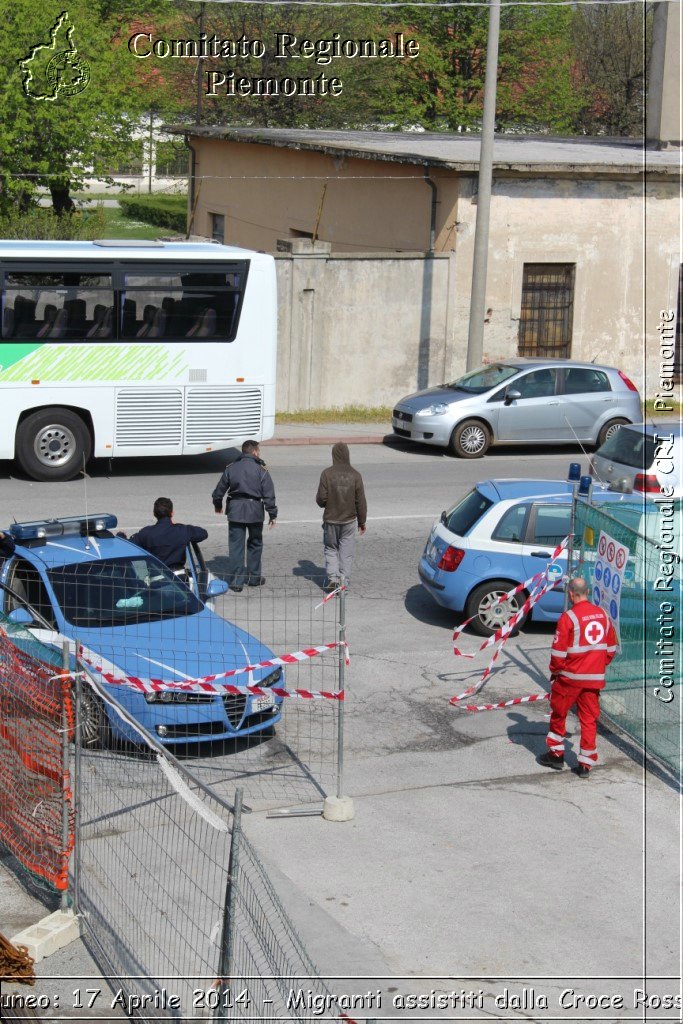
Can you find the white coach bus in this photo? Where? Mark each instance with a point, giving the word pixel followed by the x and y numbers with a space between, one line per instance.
pixel 114 348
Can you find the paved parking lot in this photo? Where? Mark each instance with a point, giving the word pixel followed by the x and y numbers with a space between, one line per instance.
pixel 467 866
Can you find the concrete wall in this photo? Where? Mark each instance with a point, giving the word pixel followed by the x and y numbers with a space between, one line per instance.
pixel 361 330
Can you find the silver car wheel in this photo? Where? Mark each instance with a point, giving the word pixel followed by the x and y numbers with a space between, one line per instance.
pixel 611 431
pixel 473 439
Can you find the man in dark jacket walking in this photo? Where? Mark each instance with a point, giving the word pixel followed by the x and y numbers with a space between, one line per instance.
pixel 165 539
pixel 249 489
pixel 342 496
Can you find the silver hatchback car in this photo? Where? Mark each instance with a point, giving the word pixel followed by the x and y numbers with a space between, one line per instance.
pixel 520 401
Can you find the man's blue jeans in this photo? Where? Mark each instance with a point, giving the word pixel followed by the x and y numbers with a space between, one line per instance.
pixel 241 570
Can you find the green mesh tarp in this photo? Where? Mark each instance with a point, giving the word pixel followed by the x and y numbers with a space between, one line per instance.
pixel 643 691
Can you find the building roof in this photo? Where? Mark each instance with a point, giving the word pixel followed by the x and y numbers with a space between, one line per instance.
pixel 525 154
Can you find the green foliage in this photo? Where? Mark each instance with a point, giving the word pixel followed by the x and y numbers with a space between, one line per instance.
pixel 162 210
pixel 49 136
pixel 535 87
pixel 42 223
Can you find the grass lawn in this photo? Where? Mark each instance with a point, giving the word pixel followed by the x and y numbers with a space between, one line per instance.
pixel 119 226
pixel 347 414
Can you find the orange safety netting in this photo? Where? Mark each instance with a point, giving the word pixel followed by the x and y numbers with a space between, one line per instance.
pixel 36 803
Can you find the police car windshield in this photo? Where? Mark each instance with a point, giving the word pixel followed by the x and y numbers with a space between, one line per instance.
pixel 120 592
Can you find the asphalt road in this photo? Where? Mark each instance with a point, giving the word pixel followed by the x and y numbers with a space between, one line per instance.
pixel 406 489
pixel 442 798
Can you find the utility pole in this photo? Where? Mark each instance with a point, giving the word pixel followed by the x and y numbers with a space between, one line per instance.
pixel 198 111
pixel 475 334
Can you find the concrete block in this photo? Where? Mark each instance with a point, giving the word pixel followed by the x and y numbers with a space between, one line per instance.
pixel 338 808
pixel 47 936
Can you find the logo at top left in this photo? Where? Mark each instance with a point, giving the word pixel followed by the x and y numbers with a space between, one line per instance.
pixel 55 69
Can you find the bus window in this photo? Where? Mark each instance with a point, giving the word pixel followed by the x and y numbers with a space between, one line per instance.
pixel 66 306
pixel 182 304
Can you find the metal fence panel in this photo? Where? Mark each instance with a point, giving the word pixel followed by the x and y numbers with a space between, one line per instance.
pixel 643 690
pixel 151 876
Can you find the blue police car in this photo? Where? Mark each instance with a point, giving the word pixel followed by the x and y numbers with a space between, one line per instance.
pixel 500 534
pixel 132 616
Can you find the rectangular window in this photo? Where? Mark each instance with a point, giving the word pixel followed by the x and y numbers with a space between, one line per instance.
pixel 545 323
pixel 181 304
pixel 218 227
pixel 551 524
pixel 65 306
pixel 581 380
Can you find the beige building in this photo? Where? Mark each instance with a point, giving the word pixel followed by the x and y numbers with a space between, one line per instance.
pixel 376 230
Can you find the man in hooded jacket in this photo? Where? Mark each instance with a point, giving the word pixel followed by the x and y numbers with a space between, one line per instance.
pixel 342 496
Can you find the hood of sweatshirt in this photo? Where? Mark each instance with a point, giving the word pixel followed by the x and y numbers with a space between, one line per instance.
pixel 340 454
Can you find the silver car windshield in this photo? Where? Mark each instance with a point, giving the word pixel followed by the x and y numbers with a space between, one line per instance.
pixel 476 382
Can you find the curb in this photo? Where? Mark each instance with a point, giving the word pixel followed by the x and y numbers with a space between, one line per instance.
pixel 376 439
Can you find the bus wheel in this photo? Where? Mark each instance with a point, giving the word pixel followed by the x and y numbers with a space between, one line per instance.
pixel 53 444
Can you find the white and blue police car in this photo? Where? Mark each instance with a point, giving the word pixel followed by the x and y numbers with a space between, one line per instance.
pixel 71 578
pixel 499 535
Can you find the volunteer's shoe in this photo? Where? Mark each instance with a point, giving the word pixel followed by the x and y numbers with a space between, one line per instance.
pixel 331 586
pixel 256 581
pixel 582 770
pixel 236 589
pixel 551 761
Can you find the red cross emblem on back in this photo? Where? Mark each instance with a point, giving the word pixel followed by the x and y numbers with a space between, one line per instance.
pixel 594 632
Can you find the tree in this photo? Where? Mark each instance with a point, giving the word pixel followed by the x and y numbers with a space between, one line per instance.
pixel 536 88
pixel 68 98
pixel 612 45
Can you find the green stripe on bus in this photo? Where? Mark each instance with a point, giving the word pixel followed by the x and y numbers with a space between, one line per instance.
pixel 11 354
pixel 77 364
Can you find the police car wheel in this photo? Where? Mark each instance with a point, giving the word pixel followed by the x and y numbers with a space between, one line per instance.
pixel 53 444
pixel 94 724
pixel 486 610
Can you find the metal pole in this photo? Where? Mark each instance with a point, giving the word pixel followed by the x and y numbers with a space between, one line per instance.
pixel 78 751
pixel 64 901
pixel 570 546
pixel 150 151
pixel 475 335
pixel 198 111
pixel 227 954
pixel 341 654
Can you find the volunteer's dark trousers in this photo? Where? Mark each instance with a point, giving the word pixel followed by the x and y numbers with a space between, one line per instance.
pixel 240 570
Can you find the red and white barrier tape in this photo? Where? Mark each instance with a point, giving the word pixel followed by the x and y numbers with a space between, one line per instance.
pixel 211 684
pixel 531 584
pixel 508 703
pixel 538 586
pixel 328 597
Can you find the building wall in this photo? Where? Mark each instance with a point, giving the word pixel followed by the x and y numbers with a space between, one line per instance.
pixel 625 249
pixel 266 193
pixel 392 324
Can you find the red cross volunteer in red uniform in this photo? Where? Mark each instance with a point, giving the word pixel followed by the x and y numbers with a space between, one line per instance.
pixel 583 646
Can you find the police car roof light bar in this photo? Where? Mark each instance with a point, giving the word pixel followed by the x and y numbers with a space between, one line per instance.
pixel 79 526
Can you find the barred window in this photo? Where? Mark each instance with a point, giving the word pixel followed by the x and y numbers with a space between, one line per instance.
pixel 545 323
